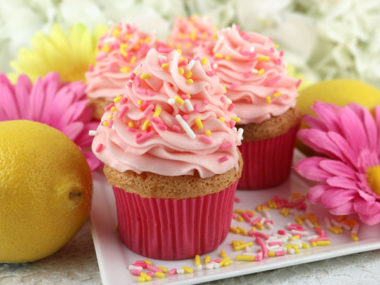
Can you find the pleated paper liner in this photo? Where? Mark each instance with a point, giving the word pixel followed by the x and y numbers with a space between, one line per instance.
pixel 267 162
pixel 172 229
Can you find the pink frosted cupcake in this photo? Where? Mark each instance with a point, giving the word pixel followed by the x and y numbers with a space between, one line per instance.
pixel 169 149
pixel 120 51
pixel 264 98
pixel 189 33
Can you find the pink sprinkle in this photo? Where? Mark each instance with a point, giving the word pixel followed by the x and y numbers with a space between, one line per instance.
pixel 109 106
pixel 281 232
pixel 255 221
pixel 132 76
pixel 246 217
pixel 264 248
pixel 280 253
pixel 163 49
pixel 110 123
pixel 281 53
pixel 272 49
pixel 99 147
pixel 144 104
pixel 246 74
pixel 272 243
pixel 172 271
pixel 278 61
pixel 184 97
pixel 148 109
pixel 144 137
pixel 237 200
pixel 185 117
pixel 268 222
pixel 123 111
pixel 124 100
pixel 140 91
pixel 298 83
pixel 131 129
pixel 231 124
pixel 246 37
pixel 162 127
pixel 251 233
pixel 197 108
pixel 135 272
pixel 259 257
pixel 211 72
pixel 156 120
pixel 231 107
pixel 249 214
pixel 295 227
pixel 149 92
pixel 233 85
pixel 216 260
pixel 115 45
pixel 273 80
pixel 223 159
pixel 176 128
pixel 129 84
pixel 320 239
pixel 140 263
pixel 234 216
pixel 226 145
pixel 142 50
pixel 101 56
pixel 137 82
pixel 260 235
pixel 205 102
pixel 223 99
pixel 149 273
pixel 90 67
pixel 153 268
pixel 205 139
pixel 321 232
pixel 237 27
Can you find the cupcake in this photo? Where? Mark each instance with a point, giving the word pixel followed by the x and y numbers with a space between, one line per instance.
pixel 169 146
pixel 119 52
pixel 264 98
pixel 191 32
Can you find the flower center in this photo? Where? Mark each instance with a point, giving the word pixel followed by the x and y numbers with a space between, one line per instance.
pixel 373 178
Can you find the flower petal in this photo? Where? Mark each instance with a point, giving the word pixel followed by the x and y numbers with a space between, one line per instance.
pixel 309 168
pixel 333 198
pixel 316 192
pixel 314 123
pixel 337 168
pixel 327 114
pixel 344 209
pixel 366 208
pixel 347 154
pixel 342 182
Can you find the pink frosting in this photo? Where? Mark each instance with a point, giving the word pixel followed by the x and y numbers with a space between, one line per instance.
pixel 120 51
pixel 254 73
pixel 194 131
pixel 189 33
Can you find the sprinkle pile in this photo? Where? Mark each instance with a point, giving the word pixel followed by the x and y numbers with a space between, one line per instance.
pixel 303 234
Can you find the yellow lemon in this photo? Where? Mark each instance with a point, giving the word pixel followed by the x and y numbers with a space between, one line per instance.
pixel 45 190
pixel 339 92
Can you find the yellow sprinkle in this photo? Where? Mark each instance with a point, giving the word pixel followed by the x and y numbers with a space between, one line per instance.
pixel 250 211
pixel 260 226
pixel 125 69
pixel 141 279
pixel 181 70
pixel 323 242
pixel 113 109
pixel 146 276
pixel 218 55
pixel 225 88
pixel 164 65
pixel 234 230
pixel 110 117
pixel 189 81
pixel 147 40
pixel 133 60
pixel 263 58
pixel 164 269
pixel 242 231
pixel 236 119
pixel 253 229
pixel 243 246
pixel 128 36
pixel 187 269
pixel 188 74
pixel 238 211
pixel 336 230
pixel 207 259
pixel 117 99
pixel 179 51
pixel 145 125
pixel 295 237
pixel 106 48
pixel 131 124
pixel 299 221
pixel 139 102
pixel 215 36
pixel 159 274
pixel 204 61
pixel 145 76
pixel 228 57
pixel 293 246
pixel 105 123
pixel 116 32
pixel 199 123
pixel 147 261
pixel 277 94
pixel 239 218
pixel 237 242
pixel 261 71
pixel 197 260
pixel 222 119
pixel 179 100
pixel 276 46
pixel 305 245
pixel 271 253
pixel 208 133
pixel 223 254
pixel 226 262
pixel 188 95
pixel 184 59
pixel 354 237
pixel 269 100
pixel 157 112
pixel 245 257
pixel 189 45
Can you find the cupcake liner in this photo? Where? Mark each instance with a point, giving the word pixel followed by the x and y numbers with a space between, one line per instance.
pixel 267 162
pixel 174 229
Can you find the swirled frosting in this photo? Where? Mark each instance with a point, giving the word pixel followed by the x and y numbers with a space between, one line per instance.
pixel 173 120
pixel 191 32
pixel 254 73
pixel 119 52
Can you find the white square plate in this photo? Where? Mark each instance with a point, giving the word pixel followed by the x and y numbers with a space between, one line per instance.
pixel 114 258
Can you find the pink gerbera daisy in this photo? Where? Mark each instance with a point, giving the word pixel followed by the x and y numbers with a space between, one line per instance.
pixel 60 105
pixel 348 139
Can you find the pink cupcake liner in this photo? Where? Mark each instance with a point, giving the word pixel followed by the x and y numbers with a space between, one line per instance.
pixel 267 162
pixel 174 229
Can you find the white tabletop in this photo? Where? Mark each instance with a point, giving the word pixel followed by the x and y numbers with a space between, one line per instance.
pixel 76 264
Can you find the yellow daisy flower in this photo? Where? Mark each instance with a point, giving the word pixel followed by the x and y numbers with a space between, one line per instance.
pixel 69 54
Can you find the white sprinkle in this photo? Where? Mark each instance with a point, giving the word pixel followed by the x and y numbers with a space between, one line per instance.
pixel 327 222
pixel 240 134
pixel 92 133
pixel 228 100
pixel 262 221
pixel 264 212
pixel 109 40
pixel 254 71
pixel 269 226
pixel 199 267
pixel 215 66
pixel 216 265
pixel 185 126
pixel 308 223
pixel 346 227
pixel 133 267
pixel 163 57
pixel 299 232
pixel 355 230
pixel 180 271
pixel 336 223
pixel 273 247
pixel 188 105
pixel 190 65
pixel 252 49
pixel 311 237
pixel 291 251
pixel 171 101
pixel 209 266
pixel 297 242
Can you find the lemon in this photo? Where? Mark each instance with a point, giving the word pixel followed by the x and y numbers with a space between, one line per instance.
pixel 45 190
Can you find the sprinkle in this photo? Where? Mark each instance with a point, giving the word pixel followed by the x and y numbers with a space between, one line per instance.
pixel 153 268
pixel 172 271
pixel 164 269
pixel 189 81
pixel 207 259
pixel 197 107
pixel 243 246
pixel 148 109
pixel 205 139
pixel 159 274
pixel 261 71
pixel 218 55
pixel 125 69
pixel 157 112
pixel 263 58
pixel 223 254
pixel 92 133
pixel 178 100
pixel 171 101
pixel 109 107
pixel 208 132
pixel 145 76
pixel 277 94
pixel 199 123
pixel 105 123
pixel 222 119
pixel 131 124
pixel 185 126
pixel 188 74
pixel 228 57
pixel 223 158
pixel 269 99
pixel 188 105
pixel 181 70
pixel 164 65
pixel 236 119
pixel 190 65
pixel 187 269
pixel 240 133
pixel 144 137
pixel 234 230
pixel 245 257
pixel 106 48
pixel 354 236
pixel 197 260
pixel 145 125
pixel 136 272
pixel 204 61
